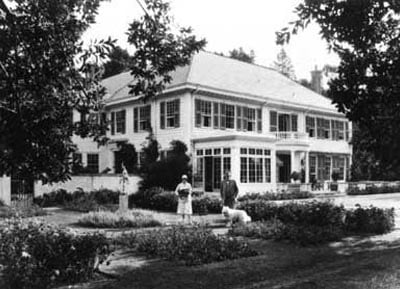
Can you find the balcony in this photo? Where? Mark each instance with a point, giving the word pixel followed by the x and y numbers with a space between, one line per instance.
pixel 291 135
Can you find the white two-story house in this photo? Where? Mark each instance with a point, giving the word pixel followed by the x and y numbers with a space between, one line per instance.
pixel 233 116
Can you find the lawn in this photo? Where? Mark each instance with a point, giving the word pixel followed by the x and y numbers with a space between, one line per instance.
pixel 280 266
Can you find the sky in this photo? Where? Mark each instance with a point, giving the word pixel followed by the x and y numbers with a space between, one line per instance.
pixel 227 24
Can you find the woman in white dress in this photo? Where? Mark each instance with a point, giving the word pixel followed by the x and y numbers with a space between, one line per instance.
pixel 184 193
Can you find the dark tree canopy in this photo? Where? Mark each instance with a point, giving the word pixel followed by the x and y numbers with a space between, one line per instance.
pixel 119 61
pixel 366 36
pixel 240 54
pixel 41 82
pixel 158 50
pixel 284 65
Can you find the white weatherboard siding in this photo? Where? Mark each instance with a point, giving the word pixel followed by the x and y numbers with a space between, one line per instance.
pixel 217 79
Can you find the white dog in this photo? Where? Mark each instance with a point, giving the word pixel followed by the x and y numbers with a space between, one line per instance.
pixel 233 215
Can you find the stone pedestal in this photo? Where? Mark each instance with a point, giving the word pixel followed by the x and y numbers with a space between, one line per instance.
pixel 123 202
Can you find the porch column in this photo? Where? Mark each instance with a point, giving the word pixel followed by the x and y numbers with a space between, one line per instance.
pixel 307 165
pixel 235 164
pixel 5 189
pixel 273 169
pixel 292 161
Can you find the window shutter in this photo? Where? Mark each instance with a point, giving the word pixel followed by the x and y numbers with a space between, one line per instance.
pixel 346 131
pixel 162 115
pixel 197 108
pixel 83 117
pixel 259 120
pixel 112 123
pixel 294 122
pixel 135 120
pixel 245 113
pixel 149 118
pixel 273 121
pixel 238 117
pixel 223 116
pixel 177 112
pixel 123 116
pixel 216 115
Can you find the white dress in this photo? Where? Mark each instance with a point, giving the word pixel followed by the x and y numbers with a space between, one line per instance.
pixel 184 204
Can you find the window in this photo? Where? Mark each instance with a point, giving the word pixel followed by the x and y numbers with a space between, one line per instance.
pixel 230 116
pixel 310 126
pixel 337 130
pixel 203 113
pixel 239 119
pixel 293 122
pixel 169 114
pixel 217 172
pixel 227 164
pixel 313 168
pixel 217 151
pixel 251 119
pixel 273 121
pixel 227 151
pixel 243 170
pixel 93 163
pixel 255 167
pixel 327 128
pixel 142 118
pixel 338 164
pixel 112 123
pixel 320 128
pixel 120 121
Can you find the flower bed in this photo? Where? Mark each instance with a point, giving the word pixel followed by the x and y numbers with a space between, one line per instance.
pixel 106 219
pixel 36 255
pixel 21 212
pixel 192 246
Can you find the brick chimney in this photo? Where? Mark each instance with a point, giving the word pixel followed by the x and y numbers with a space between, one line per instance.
pixel 316 80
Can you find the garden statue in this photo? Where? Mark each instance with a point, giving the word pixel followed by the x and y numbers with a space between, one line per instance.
pixel 123 197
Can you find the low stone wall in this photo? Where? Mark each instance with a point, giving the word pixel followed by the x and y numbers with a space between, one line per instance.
pixel 5 190
pixel 89 183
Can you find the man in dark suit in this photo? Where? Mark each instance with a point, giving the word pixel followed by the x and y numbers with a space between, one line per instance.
pixel 229 190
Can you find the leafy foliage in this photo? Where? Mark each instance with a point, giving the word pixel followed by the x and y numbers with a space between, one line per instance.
pixel 152 70
pixel 240 54
pixel 36 255
pixel 365 35
pixel 192 246
pixel 106 219
pixel 41 83
pixel 271 196
pixel 119 61
pixel 284 65
pixel 371 190
pixel 21 211
pixel 165 173
pixel 128 156
pixel 157 199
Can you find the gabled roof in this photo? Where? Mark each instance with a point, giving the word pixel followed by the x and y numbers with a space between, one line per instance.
pixel 208 70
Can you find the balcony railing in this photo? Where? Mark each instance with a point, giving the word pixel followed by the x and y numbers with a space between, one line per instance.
pixel 290 135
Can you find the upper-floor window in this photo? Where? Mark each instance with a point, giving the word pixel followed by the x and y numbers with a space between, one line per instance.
pixel 310 126
pixel 203 113
pixel 227 116
pixel 118 122
pixel 170 113
pixel 327 128
pixel 142 118
pixel 249 119
pixel 282 122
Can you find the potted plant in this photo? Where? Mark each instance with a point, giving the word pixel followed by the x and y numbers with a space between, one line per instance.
pixel 295 177
pixel 335 177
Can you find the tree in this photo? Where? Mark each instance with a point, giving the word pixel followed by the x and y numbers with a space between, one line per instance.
pixel 158 51
pixel 150 153
pixel 306 83
pixel 283 64
pixel 365 35
pixel 119 61
pixel 46 73
pixel 242 55
pixel 128 157
pixel 42 81
pixel 166 173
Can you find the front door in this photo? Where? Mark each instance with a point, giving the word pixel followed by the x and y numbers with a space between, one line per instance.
pixel 284 168
pixel 208 174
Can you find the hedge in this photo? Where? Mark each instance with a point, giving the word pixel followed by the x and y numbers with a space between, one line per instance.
pixel 371 190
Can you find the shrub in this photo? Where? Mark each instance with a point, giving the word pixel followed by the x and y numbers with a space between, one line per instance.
pixel 192 246
pixel 370 220
pixel 156 199
pixel 80 200
pixel 268 196
pixel 264 230
pixel 36 255
pixel 104 219
pixel 370 190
